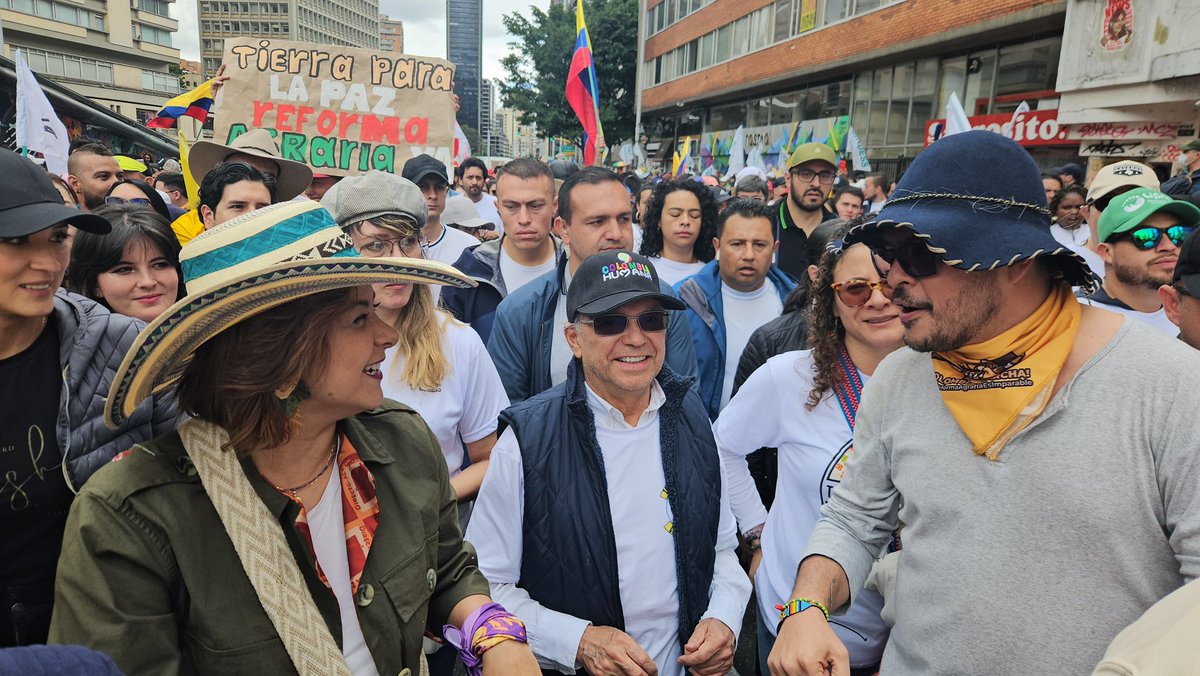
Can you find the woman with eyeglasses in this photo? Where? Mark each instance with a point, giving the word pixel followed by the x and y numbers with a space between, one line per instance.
pixel 128 191
pixel 804 403
pixel 132 270
pixel 439 366
pixel 678 229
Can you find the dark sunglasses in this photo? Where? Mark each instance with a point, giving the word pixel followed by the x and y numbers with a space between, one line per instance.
pixel 121 200
pixel 857 292
pixel 912 254
pixel 1147 238
pixel 614 324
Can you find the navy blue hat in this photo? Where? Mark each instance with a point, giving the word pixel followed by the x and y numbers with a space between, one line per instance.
pixel 1071 169
pixel 977 199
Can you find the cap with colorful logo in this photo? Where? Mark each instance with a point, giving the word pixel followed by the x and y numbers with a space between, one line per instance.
pixel 1127 211
pixel 610 279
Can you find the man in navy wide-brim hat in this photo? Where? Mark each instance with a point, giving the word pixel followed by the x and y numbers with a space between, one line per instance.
pixel 1039 454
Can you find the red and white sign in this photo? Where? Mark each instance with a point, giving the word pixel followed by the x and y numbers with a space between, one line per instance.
pixel 1035 128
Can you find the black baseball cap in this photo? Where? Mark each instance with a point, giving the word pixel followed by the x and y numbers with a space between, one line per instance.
pixel 610 279
pixel 1187 267
pixel 30 203
pixel 422 166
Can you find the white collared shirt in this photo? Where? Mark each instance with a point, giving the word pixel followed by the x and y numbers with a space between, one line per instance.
pixel 645 547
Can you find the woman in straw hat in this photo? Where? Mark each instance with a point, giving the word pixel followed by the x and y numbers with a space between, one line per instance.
pixel 294 525
pixel 805 402
pixel 439 365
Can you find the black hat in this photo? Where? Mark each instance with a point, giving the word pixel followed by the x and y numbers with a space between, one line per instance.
pixel 1187 268
pixel 563 169
pixel 977 200
pixel 31 203
pixel 1070 169
pixel 421 166
pixel 610 279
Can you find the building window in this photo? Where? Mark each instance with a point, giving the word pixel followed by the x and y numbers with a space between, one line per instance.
pixel 159 7
pixel 64 65
pixel 64 13
pixel 152 34
pixel 160 82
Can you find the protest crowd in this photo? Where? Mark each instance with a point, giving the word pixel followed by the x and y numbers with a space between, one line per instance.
pixel 551 418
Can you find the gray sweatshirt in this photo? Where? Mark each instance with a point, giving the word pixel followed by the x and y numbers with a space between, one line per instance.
pixel 1033 563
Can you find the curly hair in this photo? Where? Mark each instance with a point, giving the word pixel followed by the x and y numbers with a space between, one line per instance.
pixel 1058 198
pixel 825 333
pixel 652 234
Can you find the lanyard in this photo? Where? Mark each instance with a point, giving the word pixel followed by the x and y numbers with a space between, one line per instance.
pixel 848 392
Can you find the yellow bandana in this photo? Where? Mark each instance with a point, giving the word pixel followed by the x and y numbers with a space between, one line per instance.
pixel 994 389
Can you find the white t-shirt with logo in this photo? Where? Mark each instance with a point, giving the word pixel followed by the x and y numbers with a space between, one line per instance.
pixel 467 406
pixel 516 275
pixel 769 411
pixel 744 311
pixel 328 530
pixel 486 207
pixel 674 272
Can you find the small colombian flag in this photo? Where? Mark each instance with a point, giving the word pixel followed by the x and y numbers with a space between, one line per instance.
pixel 193 104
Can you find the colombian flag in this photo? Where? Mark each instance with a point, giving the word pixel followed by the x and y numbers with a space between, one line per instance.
pixel 582 92
pixel 193 104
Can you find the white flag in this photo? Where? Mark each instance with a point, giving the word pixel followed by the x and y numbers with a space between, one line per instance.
pixel 737 153
pixel 755 159
pixel 856 152
pixel 462 147
pixel 956 117
pixel 1021 110
pixel 38 126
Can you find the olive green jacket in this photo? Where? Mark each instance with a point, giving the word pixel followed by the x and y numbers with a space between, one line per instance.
pixel 149 576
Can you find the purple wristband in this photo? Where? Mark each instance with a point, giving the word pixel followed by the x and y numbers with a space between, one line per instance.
pixel 462 639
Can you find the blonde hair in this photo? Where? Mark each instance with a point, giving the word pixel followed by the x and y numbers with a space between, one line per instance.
pixel 422 327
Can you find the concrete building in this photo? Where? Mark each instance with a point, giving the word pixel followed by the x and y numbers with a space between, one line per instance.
pixel 190 74
pixel 349 23
pixel 523 139
pixel 491 129
pixel 391 34
pixel 117 53
pixel 464 48
pixel 793 67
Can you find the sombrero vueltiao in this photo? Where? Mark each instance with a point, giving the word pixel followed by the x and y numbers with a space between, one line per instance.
pixel 244 267
pixel 976 199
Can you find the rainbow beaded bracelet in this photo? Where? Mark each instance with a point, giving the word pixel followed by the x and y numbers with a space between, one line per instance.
pixel 796 606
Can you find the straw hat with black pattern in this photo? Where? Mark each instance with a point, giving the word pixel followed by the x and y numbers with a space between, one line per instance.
pixel 977 200
pixel 246 266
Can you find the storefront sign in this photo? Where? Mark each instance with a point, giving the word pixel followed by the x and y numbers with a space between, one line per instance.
pixel 1035 128
pixel 341 111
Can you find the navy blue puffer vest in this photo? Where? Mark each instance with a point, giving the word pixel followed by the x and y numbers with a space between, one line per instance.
pixel 569 561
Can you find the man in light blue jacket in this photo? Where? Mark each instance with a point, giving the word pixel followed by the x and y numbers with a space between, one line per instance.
pixel 527 341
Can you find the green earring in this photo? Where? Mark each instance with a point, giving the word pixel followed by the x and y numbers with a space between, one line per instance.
pixel 290 401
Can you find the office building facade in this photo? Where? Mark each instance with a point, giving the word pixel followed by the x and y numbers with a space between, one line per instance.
pixel 118 53
pixel 391 34
pixel 464 48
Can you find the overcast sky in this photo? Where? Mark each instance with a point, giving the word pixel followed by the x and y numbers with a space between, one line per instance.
pixel 424 28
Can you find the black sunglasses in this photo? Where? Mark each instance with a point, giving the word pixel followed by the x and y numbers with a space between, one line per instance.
pixel 615 324
pixel 912 254
pixel 1146 238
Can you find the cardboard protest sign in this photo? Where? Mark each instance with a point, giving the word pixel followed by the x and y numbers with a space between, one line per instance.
pixel 340 110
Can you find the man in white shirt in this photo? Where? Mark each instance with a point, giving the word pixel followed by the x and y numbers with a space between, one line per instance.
pixel 1140 234
pixel 732 295
pixel 596 522
pixel 474 177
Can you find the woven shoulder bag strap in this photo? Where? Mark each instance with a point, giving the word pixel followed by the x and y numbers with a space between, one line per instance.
pixel 264 553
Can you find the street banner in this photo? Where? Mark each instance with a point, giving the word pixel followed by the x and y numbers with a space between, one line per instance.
pixel 340 110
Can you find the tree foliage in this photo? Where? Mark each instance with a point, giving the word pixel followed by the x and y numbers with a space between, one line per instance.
pixel 536 69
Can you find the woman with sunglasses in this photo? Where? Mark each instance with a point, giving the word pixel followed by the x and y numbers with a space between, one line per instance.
pixel 133 270
pixel 804 403
pixel 439 365
pixel 129 191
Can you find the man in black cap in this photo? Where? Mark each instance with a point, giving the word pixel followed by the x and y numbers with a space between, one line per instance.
pixel 443 244
pixel 58 352
pixel 1181 298
pixel 597 522
pixel 1070 174
pixel 1018 431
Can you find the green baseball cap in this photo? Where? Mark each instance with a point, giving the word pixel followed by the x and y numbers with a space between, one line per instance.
pixel 812 151
pixel 1127 211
